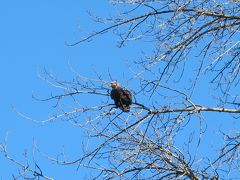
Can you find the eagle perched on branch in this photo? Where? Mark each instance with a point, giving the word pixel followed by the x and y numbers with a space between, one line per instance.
pixel 122 97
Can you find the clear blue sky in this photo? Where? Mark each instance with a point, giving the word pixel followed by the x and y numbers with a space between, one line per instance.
pixel 33 35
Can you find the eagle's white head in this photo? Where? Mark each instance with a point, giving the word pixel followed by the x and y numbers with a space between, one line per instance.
pixel 114 84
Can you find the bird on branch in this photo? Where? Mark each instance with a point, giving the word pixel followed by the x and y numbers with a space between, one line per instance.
pixel 122 97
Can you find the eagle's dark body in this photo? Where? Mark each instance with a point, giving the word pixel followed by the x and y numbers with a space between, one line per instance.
pixel 122 98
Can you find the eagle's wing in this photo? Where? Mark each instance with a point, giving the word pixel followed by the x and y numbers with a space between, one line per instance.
pixel 112 94
pixel 115 94
pixel 127 96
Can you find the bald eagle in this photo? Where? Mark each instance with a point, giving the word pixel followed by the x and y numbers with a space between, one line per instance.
pixel 122 97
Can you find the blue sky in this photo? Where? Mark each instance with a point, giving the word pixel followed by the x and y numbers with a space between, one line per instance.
pixel 33 36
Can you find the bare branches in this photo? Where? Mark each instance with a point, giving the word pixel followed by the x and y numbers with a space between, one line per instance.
pixel 198 109
pixel 25 169
pixel 197 34
pixel 227 154
pixel 175 28
pixel 140 140
pixel 195 44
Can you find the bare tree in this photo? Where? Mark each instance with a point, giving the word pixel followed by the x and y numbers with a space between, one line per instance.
pixel 27 170
pixel 191 41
